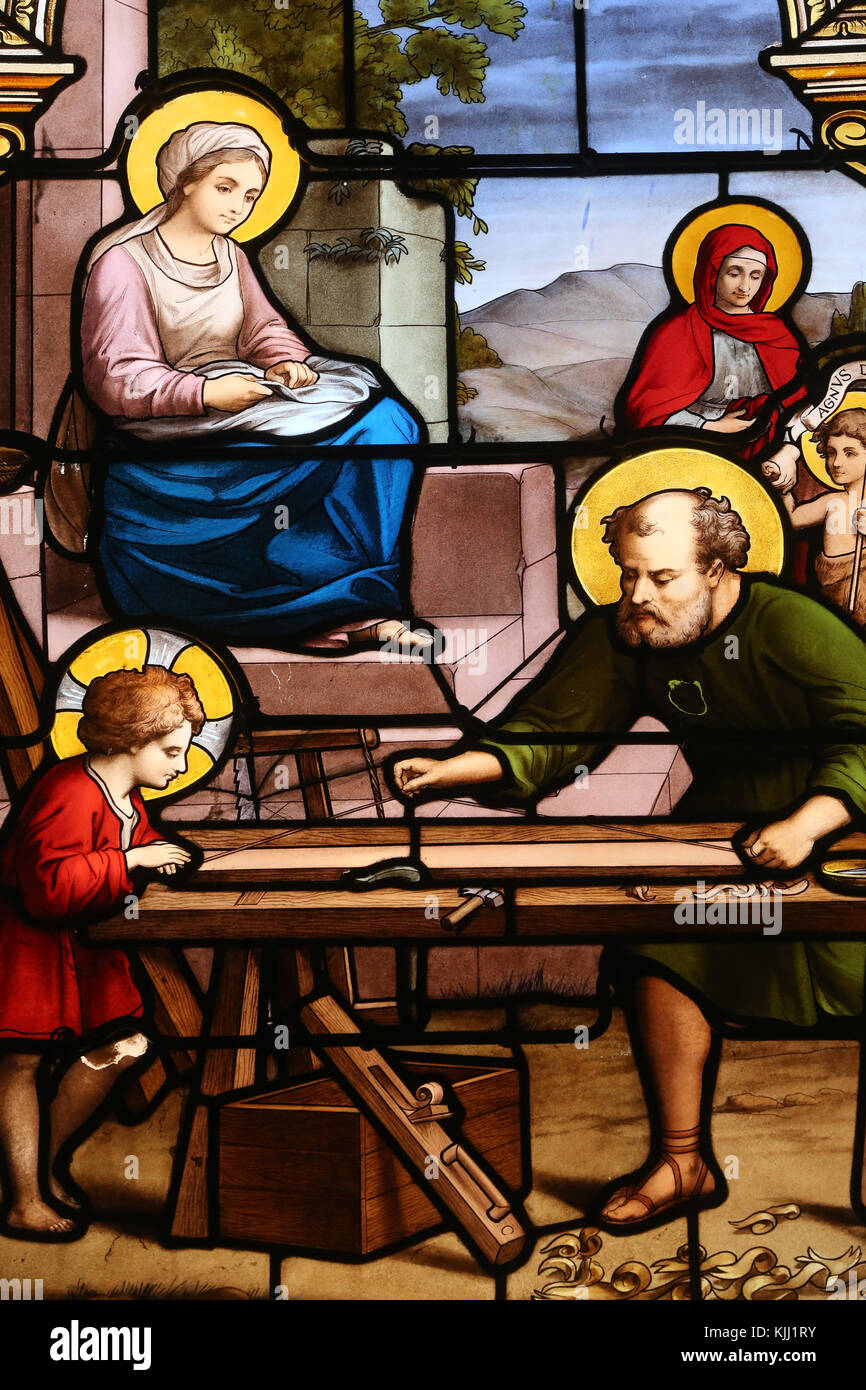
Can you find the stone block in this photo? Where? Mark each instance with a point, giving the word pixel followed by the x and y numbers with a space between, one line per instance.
pixel 20 533
pixel 463 514
pixel 66 215
pixel 347 292
pixel 284 266
pixel 125 41
pixel 415 358
pixel 347 341
pixel 415 289
pixel 402 212
pixel 318 209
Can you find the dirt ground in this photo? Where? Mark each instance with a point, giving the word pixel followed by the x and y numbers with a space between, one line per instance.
pixel 783 1128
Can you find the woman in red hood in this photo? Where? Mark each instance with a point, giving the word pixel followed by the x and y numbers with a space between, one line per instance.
pixel 712 366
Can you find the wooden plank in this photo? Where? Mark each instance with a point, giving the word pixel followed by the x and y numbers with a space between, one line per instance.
pixel 600 911
pixel 248 1215
pixel 190 1216
pixel 286 1173
pixel 287 914
pixel 230 838
pixel 245 1058
pixel 314 785
pixel 177 1012
pixel 504 860
pixel 331 1132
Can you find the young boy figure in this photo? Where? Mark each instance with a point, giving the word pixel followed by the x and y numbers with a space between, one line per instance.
pixel 75 850
pixel 841 442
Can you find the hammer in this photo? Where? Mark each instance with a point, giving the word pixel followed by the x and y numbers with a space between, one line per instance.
pixel 475 898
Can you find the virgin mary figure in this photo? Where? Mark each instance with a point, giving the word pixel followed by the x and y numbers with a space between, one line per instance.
pixel 715 365
pixel 181 346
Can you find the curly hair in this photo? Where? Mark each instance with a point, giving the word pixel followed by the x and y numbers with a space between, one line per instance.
pixel 125 709
pixel 851 422
pixel 193 173
pixel 721 534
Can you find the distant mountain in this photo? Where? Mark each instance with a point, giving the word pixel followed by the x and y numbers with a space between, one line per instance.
pixel 566 350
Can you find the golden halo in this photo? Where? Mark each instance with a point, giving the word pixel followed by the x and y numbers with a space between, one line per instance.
pixel 854 400
pixel 214 104
pixel 597 571
pixel 131 650
pixel 778 231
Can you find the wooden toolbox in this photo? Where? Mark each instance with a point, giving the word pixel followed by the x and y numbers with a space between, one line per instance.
pixel 302 1166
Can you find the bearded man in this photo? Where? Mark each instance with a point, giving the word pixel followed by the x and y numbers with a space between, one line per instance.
pixel 765 691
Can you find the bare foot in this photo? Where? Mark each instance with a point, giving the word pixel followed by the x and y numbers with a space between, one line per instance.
pixel 36 1215
pixel 62 1195
pixel 659 1187
pixel 401 634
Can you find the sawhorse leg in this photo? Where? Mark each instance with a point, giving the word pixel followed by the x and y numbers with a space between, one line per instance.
pixel 236 991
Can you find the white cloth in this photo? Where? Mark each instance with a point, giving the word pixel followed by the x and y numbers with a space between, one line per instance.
pixel 291 413
pixel 176 155
pixel 737 372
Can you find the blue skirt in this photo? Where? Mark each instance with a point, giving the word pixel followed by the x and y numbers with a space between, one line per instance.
pixel 261 552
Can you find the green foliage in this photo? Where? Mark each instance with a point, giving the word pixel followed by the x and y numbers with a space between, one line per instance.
pixel 465 263
pixel 473 350
pixel 376 243
pixel 855 320
pixel 296 48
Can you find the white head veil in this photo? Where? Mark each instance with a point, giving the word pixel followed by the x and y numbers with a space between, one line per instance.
pixel 176 155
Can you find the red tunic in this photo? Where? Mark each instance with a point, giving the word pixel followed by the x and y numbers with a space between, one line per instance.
pixel 677 363
pixel 63 865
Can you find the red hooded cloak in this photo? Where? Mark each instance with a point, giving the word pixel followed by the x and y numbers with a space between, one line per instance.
pixel 677 364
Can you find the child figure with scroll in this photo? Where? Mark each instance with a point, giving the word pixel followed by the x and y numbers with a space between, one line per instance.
pixel 76 850
pixel 841 443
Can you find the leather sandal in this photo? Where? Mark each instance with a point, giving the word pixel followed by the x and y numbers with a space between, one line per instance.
pixel 673 1142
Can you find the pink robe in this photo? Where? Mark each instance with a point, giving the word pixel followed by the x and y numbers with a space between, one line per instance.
pixel 124 366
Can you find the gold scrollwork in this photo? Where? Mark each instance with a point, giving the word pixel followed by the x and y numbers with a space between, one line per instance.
pixel 845 130
pixel 11 141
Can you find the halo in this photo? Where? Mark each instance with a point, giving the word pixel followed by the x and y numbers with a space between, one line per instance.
pixel 854 400
pixel 776 228
pixel 214 104
pixel 596 570
pixel 131 650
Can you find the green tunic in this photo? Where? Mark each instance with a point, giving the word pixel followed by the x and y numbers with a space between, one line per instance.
pixel 780 664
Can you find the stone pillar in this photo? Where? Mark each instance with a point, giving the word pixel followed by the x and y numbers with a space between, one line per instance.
pixel 392 313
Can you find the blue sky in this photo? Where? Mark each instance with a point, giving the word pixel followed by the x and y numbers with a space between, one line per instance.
pixel 646 60
pixel 529 89
pixel 535 224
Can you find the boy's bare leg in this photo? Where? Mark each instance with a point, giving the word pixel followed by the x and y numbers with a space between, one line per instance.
pixel 676 1040
pixel 19 1137
pixel 82 1090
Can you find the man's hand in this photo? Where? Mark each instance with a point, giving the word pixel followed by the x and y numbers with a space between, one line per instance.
pixel 730 423
pixel 784 844
pixel 414 775
pixel 292 374
pixel 780 845
pixel 234 391
pixel 162 855
pixel 781 468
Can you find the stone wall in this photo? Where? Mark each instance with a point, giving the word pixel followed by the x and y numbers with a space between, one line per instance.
pixel 392 313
